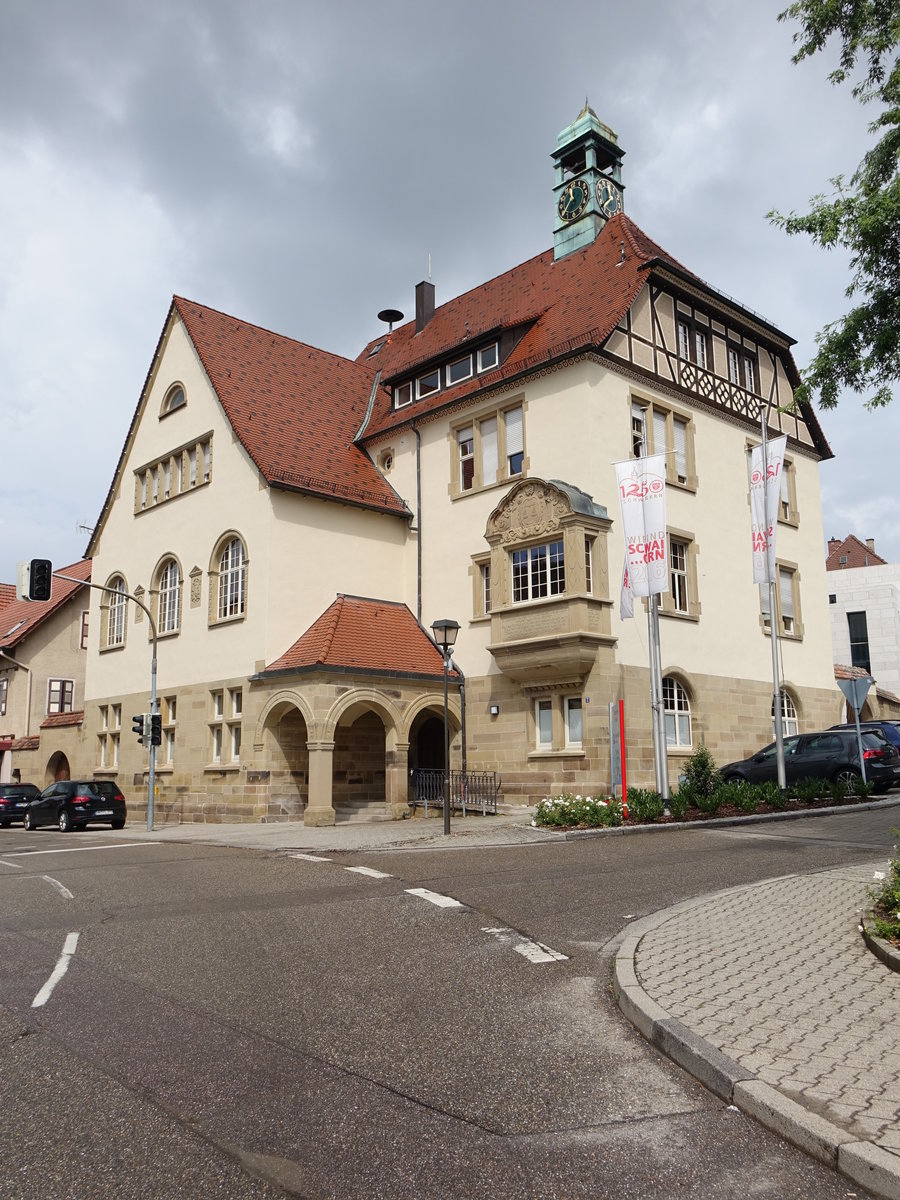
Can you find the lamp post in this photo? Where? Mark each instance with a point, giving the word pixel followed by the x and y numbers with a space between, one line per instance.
pixel 444 633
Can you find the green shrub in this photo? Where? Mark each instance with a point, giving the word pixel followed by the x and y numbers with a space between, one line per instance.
pixel 808 790
pixel 701 774
pixel 740 793
pixel 644 804
pixel 681 800
pixel 838 791
pixel 568 810
pixel 770 793
pixel 708 802
pixel 859 789
pixel 886 898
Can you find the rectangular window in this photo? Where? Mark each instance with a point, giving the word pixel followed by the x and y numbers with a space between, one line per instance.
pixel 538 572
pixel 489 461
pixel 734 366
pixel 488 357
pixel 679 429
pixel 588 564
pixel 749 375
pixel 104 717
pixel 459 370
pixel 684 340
pixel 60 695
pixel 515 441
pixel 169 714
pixel 4 692
pixel 84 629
pixel 167 477
pixel 786 595
pixel 427 385
pixel 573 721
pixel 114 749
pixel 543 720
pixel 207 461
pixel 764 607
pixel 659 431
pixel 402 395
pixel 217 743
pixel 192 465
pixel 700 348
pixel 638 431
pixel 485 587
pixel 235 737
pixel 218 705
pixel 466 439
pixel 859 640
pixel 237 702
pixel 116 716
pixel 678 566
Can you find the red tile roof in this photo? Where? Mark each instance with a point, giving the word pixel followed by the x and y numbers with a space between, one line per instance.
pixel 359 634
pixel 32 742
pixel 857 554
pixel 7 594
pixel 296 409
pixel 20 617
pixel 56 720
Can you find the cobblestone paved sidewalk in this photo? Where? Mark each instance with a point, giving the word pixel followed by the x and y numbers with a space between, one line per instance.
pixel 778 978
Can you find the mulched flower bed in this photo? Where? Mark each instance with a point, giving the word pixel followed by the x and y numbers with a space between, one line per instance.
pixel 732 810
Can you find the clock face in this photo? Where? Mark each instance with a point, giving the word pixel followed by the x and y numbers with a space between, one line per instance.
pixel 609 198
pixel 573 199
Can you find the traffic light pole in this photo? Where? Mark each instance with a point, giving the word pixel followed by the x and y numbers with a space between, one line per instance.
pixel 100 587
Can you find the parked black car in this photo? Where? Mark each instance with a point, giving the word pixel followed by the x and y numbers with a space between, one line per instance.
pixel 888 729
pixel 72 803
pixel 14 799
pixel 831 754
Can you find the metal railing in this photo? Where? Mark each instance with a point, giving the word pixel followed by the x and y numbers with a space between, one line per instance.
pixel 471 790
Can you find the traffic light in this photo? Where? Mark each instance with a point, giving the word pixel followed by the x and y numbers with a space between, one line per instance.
pixel 41 580
pixel 155 729
pixel 137 726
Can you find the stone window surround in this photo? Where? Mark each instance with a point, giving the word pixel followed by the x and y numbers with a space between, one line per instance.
pixel 474 419
pixel 667 602
pixel 153 603
pixel 170 402
pixel 214 620
pixel 107 604
pixel 179 466
pixel 558 698
pixel 651 404
pixel 796 634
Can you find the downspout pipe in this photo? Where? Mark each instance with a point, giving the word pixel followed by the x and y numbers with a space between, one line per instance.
pixel 462 711
pixel 418 523
pixel 21 667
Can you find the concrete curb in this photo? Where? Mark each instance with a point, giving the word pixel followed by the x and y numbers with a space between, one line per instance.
pixel 880 947
pixel 862 1162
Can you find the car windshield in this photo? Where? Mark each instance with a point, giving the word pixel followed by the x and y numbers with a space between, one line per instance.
pixel 873 738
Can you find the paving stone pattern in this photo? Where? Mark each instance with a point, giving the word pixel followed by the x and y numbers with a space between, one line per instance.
pixel 778 977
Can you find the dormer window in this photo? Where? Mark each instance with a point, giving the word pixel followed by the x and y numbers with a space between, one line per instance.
pixel 403 395
pixel 459 370
pixel 488 357
pixel 427 385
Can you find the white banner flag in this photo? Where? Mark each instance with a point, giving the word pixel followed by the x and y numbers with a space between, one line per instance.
pixel 626 596
pixel 764 501
pixel 642 497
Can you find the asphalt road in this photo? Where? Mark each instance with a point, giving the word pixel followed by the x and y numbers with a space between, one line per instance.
pixel 240 1023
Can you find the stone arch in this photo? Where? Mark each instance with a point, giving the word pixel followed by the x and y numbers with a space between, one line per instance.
pixel 423 723
pixel 57 768
pixel 354 703
pixel 284 730
pixel 363 727
pixel 792 693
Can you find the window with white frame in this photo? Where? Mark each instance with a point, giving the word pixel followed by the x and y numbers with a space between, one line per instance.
pixel 174 398
pixel 116 612
pixel 428 384
pixel 225 725
pixel 543 723
pixel 485 575
pixel 574 723
pixel 60 695
pixel 787 602
pixel 589 564
pixel 4 694
pixel 85 623
pixel 682 600
pixel 639 430
pixel 488 357
pixel 490 449
pixel 789 723
pixel 169 719
pixel 677 712
pixel 693 342
pixel 459 369
pixel 232 581
pixel 749 375
pixel 538 572
pixel 678 574
pixel 169 614
pixel 403 395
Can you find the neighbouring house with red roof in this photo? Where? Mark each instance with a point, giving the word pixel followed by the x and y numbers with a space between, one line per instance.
pixel 294 522
pixel 864 604
pixel 43 655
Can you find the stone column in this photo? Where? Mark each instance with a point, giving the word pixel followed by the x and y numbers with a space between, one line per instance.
pixel 319 809
pixel 396 779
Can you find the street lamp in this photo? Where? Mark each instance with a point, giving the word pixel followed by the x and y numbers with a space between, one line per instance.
pixel 444 633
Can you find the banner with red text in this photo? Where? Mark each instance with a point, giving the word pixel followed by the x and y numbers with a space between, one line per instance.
pixel 642 497
pixel 764 500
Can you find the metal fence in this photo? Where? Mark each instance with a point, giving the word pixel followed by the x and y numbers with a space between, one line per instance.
pixel 469 790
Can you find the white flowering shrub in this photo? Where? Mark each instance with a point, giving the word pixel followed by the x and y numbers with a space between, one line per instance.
pixel 570 810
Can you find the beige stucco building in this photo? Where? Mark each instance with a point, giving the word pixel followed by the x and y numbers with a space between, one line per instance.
pixel 294 521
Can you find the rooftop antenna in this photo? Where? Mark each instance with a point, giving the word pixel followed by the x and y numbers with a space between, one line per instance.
pixel 83 527
pixel 390 315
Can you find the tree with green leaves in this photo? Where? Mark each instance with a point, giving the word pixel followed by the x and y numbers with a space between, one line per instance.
pixel 861 351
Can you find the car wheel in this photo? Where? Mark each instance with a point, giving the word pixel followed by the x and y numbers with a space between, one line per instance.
pixel 28 822
pixel 4 824
pixel 117 824
pixel 65 821
pixel 846 775
pixel 734 779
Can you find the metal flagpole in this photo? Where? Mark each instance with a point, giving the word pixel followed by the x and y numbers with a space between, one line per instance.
pixel 656 701
pixel 773 622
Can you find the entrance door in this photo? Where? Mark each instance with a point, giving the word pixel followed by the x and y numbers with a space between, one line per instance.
pixel 430 745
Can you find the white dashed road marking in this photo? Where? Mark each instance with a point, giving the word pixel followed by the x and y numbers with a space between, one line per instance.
pixel 435 898
pixel 12 866
pixel 58 971
pixel 79 849
pixel 60 887
pixel 535 952
pixel 310 857
pixel 370 871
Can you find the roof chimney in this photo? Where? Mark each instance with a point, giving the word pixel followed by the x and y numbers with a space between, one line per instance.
pixel 833 544
pixel 424 304
pixel 870 544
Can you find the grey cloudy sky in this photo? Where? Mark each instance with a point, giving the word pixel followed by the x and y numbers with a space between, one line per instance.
pixel 296 164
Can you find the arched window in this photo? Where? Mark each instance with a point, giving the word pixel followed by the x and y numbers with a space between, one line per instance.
pixel 174 398
pixel 116 612
pixel 169 612
pixel 232 580
pixel 789 725
pixel 677 709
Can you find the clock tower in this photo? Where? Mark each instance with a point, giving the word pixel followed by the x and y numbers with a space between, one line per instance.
pixel 588 188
